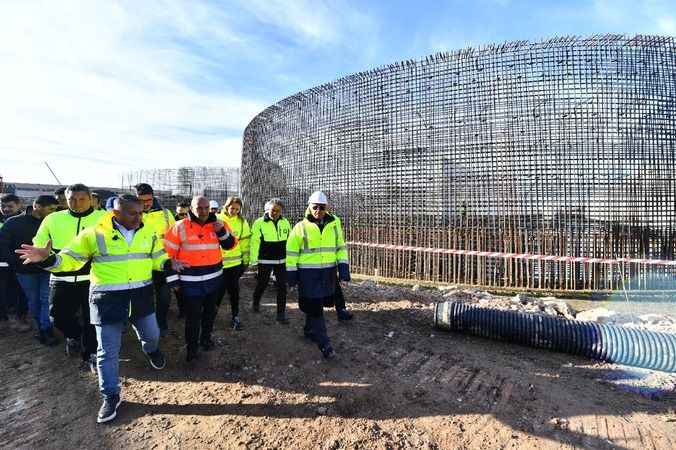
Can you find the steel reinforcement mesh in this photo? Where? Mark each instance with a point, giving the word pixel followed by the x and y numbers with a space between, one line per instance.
pixel 173 185
pixel 558 148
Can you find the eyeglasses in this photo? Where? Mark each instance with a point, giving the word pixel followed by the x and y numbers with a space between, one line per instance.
pixel 318 207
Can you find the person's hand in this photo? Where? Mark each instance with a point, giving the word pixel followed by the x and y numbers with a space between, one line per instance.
pixel 31 254
pixel 218 226
pixel 178 266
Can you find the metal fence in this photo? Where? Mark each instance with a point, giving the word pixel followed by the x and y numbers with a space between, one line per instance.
pixel 558 148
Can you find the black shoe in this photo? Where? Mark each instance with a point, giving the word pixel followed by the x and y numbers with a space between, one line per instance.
pixel 328 352
pixel 256 307
pixel 236 323
pixel 73 347
pixel 108 409
pixel 192 355
pixel 156 359
pixel 207 345
pixel 48 338
pixel 309 336
pixel 344 315
pixel 281 318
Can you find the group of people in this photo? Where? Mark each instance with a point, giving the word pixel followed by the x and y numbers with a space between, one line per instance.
pixel 93 270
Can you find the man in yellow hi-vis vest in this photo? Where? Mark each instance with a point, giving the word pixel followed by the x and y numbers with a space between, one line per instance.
pixel 314 249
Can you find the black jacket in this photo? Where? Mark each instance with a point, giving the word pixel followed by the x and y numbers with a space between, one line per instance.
pixel 18 230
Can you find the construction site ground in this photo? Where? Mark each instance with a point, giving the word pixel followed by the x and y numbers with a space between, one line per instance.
pixel 396 383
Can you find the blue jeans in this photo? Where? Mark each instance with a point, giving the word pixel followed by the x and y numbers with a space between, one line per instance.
pixel 36 288
pixel 109 337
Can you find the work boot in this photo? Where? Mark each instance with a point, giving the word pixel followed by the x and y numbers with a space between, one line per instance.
pixel 156 359
pixel 344 315
pixel 281 318
pixel 47 338
pixel 73 347
pixel 328 352
pixel 236 323
pixel 108 409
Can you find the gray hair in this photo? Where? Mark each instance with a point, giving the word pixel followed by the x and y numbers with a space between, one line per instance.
pixel 272 202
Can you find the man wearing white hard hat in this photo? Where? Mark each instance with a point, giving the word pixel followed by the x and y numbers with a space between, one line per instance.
pixel 314 249
pixel 213 206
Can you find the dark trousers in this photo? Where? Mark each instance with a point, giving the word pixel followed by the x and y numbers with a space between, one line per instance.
pixel 264 271
pixel 338 297
pixel 200 313
pixel 161 300
pixel 315 325
pixel 12 298
pixel 68 301
pixel 230 284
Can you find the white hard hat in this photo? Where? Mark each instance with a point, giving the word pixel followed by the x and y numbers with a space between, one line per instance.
pixel 213 204
pixel 317 197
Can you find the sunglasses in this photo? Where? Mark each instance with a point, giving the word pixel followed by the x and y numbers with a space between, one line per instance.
pixel 318 207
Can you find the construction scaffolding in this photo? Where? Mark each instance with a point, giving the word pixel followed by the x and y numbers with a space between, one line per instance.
pixel 526 153
pixel 173 185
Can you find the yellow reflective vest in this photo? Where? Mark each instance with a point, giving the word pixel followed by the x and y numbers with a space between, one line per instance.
pixel 268 240
pixel 309 248
pixel 159 220
pixel 239 254
pixel 115 265
pixel 61 227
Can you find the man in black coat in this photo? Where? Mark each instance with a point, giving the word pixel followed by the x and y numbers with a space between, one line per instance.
pixel 34 281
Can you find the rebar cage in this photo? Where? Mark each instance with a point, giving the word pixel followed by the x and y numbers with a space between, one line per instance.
pixel 173 185
pixel 564 147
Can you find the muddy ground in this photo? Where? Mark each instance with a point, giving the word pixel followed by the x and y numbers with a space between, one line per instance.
pixel 396 383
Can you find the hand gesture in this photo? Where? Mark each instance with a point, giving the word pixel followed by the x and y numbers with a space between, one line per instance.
pixel 178 266
pixel 31 254
pixel 218 226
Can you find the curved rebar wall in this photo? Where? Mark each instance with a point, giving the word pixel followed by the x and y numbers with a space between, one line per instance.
pixel 559 148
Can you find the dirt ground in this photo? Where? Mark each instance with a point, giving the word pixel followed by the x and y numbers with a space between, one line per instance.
pixel 396 383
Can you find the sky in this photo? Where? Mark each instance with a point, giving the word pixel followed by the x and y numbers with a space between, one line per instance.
pixel 100 88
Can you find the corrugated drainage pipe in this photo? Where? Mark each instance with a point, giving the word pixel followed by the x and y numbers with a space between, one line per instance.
pixel 621 345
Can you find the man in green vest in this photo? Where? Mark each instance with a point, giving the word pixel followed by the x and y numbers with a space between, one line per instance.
pixel 159 219
pixel 69 289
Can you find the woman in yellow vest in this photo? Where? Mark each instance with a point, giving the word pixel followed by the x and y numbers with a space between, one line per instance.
pixel 235 260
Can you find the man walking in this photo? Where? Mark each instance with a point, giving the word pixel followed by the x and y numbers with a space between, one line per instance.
pixel 123 255
pixel 34 281
pixel 69 289
pixel 160 220
pixel 196 243
pixel 268 251
pixel 313 251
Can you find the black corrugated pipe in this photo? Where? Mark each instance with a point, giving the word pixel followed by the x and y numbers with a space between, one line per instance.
pixel 621 345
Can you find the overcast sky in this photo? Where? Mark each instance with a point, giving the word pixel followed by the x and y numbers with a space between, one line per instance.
pixel 98 88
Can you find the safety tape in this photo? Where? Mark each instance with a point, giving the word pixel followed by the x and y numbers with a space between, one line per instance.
pixel 527 256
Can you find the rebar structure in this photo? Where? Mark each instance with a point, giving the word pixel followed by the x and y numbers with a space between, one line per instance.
pixel 173 185
pixel 564 147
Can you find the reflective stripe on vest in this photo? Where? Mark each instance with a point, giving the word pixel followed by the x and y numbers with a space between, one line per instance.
pixel 272 261
pixel 74 255
pixel 316 266
pixel 209 276
pixel 101 244
pixel 70 278
pixel 120 286
pixel 212 246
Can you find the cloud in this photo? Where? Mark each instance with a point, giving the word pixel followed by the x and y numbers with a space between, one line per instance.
pixel 93 87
